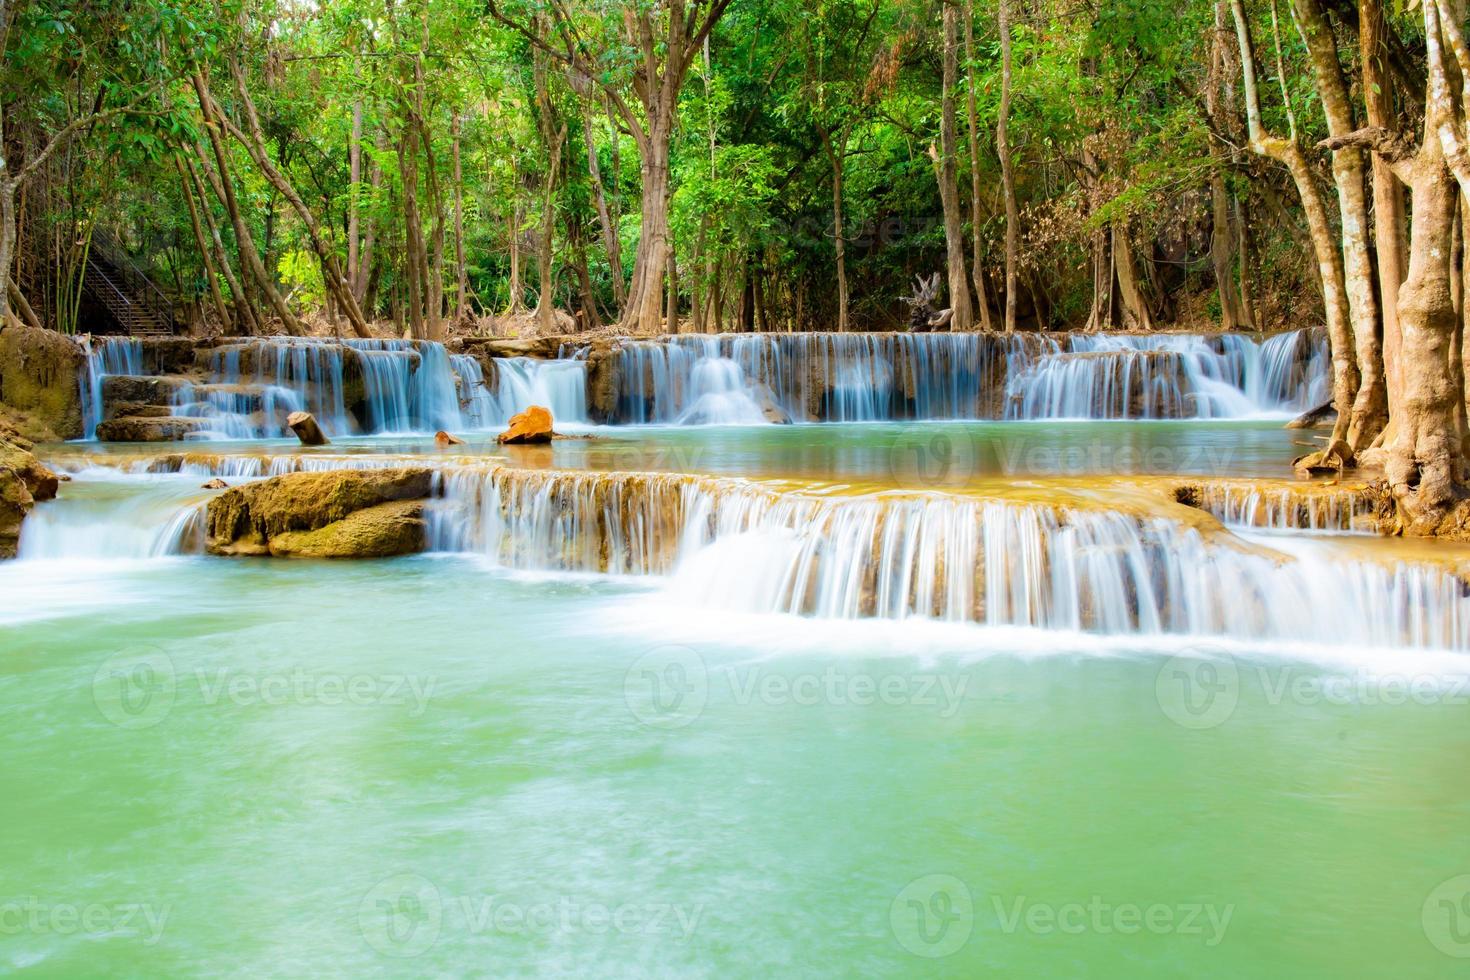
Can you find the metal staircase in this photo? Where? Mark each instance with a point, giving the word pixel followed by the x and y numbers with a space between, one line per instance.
pixel 139 307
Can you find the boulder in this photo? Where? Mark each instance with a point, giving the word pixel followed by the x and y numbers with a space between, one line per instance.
pixel 137 410
pixel 41 374
pixel 23 482
pixel 215 484
pixel 444 440
pixel 170 428
pixel 299 514
pixel 530 427
pixel 142 389
pixel 306 429
pixel 384 531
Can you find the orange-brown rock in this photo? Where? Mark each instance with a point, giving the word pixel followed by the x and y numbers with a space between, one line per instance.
pixel 306 429
pixel 529 427
pixel 444 440
pixel 23 482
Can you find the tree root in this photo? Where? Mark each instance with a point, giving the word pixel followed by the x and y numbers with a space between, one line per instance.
pixel 1337 457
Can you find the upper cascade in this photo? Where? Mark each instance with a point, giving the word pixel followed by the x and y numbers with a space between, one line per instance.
pixel 245 389
pixel 897 376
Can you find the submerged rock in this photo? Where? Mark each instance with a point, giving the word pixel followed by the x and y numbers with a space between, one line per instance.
pixel 336 514
pixel 529 427
pixel 23 482
pixel 444 440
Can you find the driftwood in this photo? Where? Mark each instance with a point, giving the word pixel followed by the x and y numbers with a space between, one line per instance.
pixel 923 317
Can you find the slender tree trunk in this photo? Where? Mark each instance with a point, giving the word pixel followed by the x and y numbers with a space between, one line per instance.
pixel 1137 314
pixel 609 230
pixel 354 191
pixel 254 143
pixel 205 252
pixel 835 155
pixel 977 270
pixel 224 188
pixel 1007 178
pixel 946 170
pixel 461 273
pixel 1289 153
pixel 1370 407
pixel 1388 193
pixel 244 307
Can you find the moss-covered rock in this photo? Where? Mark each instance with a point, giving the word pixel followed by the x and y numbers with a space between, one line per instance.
pixel 40 376
pixel 384 531
pixel 23 482
pixel 336 514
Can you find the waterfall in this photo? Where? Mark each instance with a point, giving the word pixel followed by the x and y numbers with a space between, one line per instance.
pixel 899 376
pixel 108 518
pixel 733 544
pixel 105 357
pixel 1246 505
pixel 560 385
pixel 1170 376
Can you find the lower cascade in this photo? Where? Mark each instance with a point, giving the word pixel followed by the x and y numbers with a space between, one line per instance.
pixel 765 548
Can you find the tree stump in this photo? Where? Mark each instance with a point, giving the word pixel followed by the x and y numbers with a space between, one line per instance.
pixel 306 429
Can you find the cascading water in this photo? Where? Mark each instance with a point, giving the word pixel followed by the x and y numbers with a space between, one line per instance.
pixel 738 545
pixel 882 377
pixel 105 357
pixel 560 385
pixel 1170 376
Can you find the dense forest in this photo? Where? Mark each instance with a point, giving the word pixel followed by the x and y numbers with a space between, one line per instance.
pixel 662 166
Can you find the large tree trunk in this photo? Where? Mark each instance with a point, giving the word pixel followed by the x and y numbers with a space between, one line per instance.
pixel 644 312
pixel 947 172
pixel 1007 177
pixel 1137 313
pixel 1370 407
pixel 1224 235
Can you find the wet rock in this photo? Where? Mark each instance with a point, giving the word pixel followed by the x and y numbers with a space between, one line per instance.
pixel 142 389
pixel 23 482
pixel 533 426
pixel 444 440
pixel 169 428
pixel 603 383
pixel 40 376
pixel 137 410
pixel 215 484
pixel 336 514
pixel 306 429
pixel 772 411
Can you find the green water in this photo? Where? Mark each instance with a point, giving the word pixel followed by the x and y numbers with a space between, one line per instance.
pixel 432 767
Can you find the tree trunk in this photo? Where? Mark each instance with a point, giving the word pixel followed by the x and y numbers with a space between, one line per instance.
pixel 1136 312
pixel 977 271
pixel 1370 407
pixel 835 155
pixel 461 274
pixel 1388 193
pixel 354 207
pixel 610 243
pixel 254 143
pixel 945 168
pixel 1007 178
pixel 1289 153
pixel 205 252
pixel 224 188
